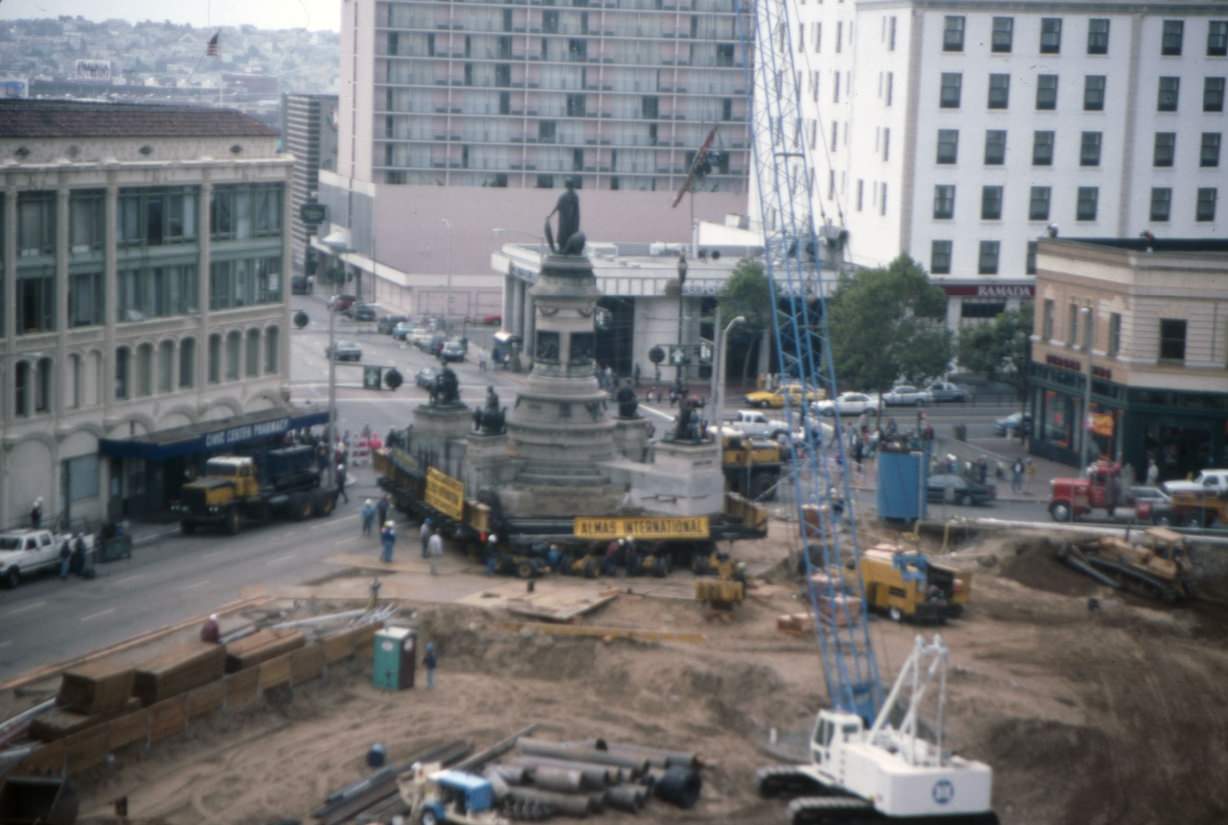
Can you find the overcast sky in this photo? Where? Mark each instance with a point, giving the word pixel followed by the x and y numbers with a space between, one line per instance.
pixel 266 14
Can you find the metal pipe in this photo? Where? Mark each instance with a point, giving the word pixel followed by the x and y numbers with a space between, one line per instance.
pixel 560 750
pixel 629 798
pixel 593 773
pixel 557 779
pixel 477 761
pixel 661 757
pixel 578 805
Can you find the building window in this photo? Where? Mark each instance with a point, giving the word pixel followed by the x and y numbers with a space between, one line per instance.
pixel 1089 148
pixel 995 147
pixel 85 233
pixel 991 203
pixel 72 390
pixel 85 302
pixel 123 368
pixel 144 370
pixel 241 212
pixel 839 36
pixel 724 53
pixel 1050 35
pixel 251 357
pixel 22 389
pixel 272 351
pixel 245 282
pixel 987 260
pixel 42 386
pixel 882 201
pixel 944 202
pixel 999 91
pixel 234 347
pixel 1208 152
pixel 156 216
pixel 1042 148
pixel 166 366
pixel 1029 264
pixel 1217 38
pixel 940 257
pixel 1072 326
pixel 1169 91
pixel 948 146
pixel 1046 330
pixel 215 358
pixel 156 292
pixel 35 224
pixel 952 82
pixel 1003 34
pixel 861 191
pixel 187 363
pixel 1172 340
pixel 1161 203
pixel 1172 35
pixel 1093 92
pixel 35 300
pixel 1098 35
pixel 1205 210
pixel 1114 334
pixel 1046 92
pixel 1165 149
pixel 1212 94
pixel 1089 200
pixel 953 33
pixel 1038 203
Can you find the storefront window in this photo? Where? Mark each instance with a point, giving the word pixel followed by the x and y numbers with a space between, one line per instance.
pixel 1059 420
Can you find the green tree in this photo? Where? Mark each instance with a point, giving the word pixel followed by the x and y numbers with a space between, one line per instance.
pixel 886 324
pixel 999 350
pixel 747 293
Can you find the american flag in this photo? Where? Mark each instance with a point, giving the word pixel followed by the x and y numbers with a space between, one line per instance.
pixel 211 49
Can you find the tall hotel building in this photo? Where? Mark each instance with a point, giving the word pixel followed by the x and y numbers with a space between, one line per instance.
pixel 460 123
pixel 960 132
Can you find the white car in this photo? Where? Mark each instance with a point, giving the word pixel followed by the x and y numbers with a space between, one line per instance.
pixel 847 403
pixel 757 425
pixel 25 552
pixel 1208 481
pixel 906 395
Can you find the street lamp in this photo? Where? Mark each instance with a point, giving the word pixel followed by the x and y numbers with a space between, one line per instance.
pixel 338 244
pixel 448 225
pixel 680 366
pixel 1089 317
pixel 722 355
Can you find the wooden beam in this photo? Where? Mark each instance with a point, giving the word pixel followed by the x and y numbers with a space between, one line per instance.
pixel 596 631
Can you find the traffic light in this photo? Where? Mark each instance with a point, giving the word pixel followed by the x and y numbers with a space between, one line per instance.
pixel 392 378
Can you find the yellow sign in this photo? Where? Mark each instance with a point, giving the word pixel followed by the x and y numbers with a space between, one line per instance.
pixel 445 494
pixel 661 527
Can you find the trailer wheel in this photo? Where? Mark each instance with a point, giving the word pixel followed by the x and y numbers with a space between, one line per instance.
pixel 591 568
pixel 1060 511
pixel 895 615
pixel 524 570
pixel 300 507
pixel 187 527
pixel 232 521
pixel 324 505
pixel 12 579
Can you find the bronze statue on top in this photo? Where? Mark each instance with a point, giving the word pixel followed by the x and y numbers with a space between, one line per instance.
pixel 489 420
pixel 445 392
pixel 570 239
pixel 627 403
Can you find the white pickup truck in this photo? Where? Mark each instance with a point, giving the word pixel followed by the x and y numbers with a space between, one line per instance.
pixel 1208 481
pixel 26 552
pixel 757 425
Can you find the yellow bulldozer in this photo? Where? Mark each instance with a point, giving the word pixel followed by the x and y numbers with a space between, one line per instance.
pixel 727 588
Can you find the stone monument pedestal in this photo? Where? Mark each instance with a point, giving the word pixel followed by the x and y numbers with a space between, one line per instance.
pixel 439 431
pixel 685 479
pixel 487 465
pixel 631 438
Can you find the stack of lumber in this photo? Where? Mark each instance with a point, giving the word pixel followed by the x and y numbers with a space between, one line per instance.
pixel 60 722
pixel 98 687
pixel 262 646
pixel 179 671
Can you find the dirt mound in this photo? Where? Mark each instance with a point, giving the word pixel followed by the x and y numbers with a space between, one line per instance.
pixel 1034 563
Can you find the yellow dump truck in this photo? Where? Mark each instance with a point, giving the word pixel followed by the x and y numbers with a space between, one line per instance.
pixel 908 585
pixel 752 466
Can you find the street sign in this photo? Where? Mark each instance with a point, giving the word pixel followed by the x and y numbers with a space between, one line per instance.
pixel 662 527
pixel 372 378
pixel 313 213
pixel 445 494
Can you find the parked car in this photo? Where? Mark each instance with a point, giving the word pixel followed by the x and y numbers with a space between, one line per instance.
pixel 340 303
pixel 26 552
pixel 906 395
pixel 943 391
pixel 1011 424
pixel 848 403
pixel 452 351
pixel 775 399
pixel 420 337
pixel 345 351
pixel 492 320
pixel 1213 481
pixel 426 377
pixel 432 343
pixel 1159 502
pixel 757 425
pixel 953 488
pixel 300 285
pixel 403 331
pixel 387 324
pixel 361 312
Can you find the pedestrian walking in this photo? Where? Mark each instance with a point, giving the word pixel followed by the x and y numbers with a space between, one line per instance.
pixel 424 535
pixel 36 513
pixel 65 556
pixel 381 509
pixel 635 375
pixel 341 482
pixel 1017 476
pixel 388 540
pixel 434 549
pixel 430 661
pixel 1153 472
pixel 482 362
pixel 1030 470
pixel 368 517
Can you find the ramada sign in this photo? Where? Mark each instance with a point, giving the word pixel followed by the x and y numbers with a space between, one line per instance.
pixel 991 290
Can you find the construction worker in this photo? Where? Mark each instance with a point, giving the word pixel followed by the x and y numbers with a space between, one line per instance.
pixel 210 631
pixel 381 509
pixel 368 517
pixel 388 539
pixel 36 514
pixel 424 535
pixel 341 482
pixel 430 661
pixel 65 557
pixel 434 549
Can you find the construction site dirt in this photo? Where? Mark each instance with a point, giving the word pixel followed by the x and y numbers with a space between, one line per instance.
pixel 1108 712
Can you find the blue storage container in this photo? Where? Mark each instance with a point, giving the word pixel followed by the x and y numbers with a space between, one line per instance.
pixel 396 652
pixel 902 480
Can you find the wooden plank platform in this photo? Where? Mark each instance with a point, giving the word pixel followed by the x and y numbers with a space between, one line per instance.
pixel 599 632
pixel 178 671
pixel 101 686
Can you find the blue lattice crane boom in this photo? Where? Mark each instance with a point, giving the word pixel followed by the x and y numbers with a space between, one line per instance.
pixel 872 756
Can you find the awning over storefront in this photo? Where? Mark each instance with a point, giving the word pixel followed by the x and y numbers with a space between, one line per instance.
pixel 212 436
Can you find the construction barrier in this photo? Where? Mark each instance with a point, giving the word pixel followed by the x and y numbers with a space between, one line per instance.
pixel 170 717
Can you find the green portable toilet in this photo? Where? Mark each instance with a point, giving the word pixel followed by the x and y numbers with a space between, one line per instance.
pixel 396 653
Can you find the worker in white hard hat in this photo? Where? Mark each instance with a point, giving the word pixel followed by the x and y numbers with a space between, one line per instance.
pixel 388 540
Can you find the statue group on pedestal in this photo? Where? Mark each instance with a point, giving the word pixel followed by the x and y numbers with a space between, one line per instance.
pixel 490 419
pixel 570 240
pixel 445 391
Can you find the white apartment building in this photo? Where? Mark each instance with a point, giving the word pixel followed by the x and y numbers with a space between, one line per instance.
pixel 458 119
pixel 959 132
pixel 142 299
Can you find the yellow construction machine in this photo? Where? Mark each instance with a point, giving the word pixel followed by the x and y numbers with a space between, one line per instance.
pixel 908 585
